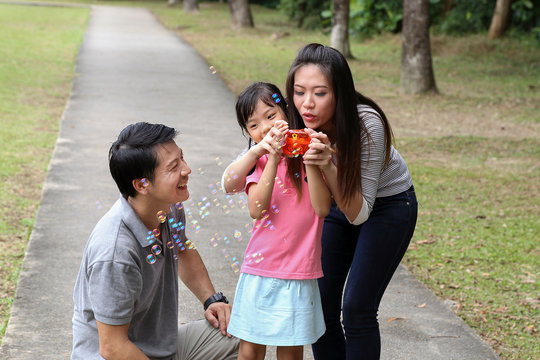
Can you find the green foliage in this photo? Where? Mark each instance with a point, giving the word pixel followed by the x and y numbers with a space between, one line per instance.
pixel 371 17
pixel 464 16
pixel 306 13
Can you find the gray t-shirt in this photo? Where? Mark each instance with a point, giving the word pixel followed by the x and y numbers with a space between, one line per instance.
pixel 119 283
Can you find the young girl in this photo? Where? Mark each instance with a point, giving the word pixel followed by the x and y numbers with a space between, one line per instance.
pixel 277 300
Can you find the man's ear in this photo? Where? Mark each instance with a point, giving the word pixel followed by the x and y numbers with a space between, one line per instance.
pixel 141 185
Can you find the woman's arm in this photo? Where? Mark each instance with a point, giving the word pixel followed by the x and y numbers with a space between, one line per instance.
pixel 319 193
pixel 321 156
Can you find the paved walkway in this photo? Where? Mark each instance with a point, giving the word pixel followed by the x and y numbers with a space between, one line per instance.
pixel 130 69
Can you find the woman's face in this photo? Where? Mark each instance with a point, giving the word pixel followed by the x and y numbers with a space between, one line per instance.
pixel 314 98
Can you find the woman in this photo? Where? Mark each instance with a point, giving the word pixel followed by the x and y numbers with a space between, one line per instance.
pixel 373 217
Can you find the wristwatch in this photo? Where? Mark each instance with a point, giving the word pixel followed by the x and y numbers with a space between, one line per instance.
pixel 217 297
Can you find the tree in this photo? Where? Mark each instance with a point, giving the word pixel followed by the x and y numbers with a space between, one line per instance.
pixel 416 66
pixel 173 2
pixel 499 19
pixel 190 5
pixel 240 14
pixel 339 39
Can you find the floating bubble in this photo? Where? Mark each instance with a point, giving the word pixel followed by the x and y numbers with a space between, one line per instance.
pixel 212 189
pixel 267 223
pixel 170 244
pixel 235 265
pixel 175 257
pixel 254 258
pixel 179 205
pixel 181 246
pixel 201 171
pixel 257 203
pixel 275 209
pixel 151 259
pixel 156 232
pixel 237 235
pixel 276 98
pixel 297 175
pixel 98 204
pixel 226 209
pixel 190 245
pixel 176 238
pixel 144 182
pixel 218 161
pixel 225 253
pixel 214 241
pixel 156 249
pixel 161 216
pixel 212 69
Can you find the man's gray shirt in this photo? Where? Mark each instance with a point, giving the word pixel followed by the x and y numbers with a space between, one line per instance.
pixel 119 283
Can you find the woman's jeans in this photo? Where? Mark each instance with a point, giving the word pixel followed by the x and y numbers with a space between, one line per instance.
pixel 369 254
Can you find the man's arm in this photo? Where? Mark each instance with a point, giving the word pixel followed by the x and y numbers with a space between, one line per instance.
pixel 194 275
pixel 115 345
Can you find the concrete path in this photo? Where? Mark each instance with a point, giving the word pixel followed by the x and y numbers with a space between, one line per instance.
pixel 130 69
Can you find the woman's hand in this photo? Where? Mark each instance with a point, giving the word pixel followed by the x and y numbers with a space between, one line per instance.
pixel 320 150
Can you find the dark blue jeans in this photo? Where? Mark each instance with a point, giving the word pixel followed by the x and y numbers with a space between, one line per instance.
pixel 369 254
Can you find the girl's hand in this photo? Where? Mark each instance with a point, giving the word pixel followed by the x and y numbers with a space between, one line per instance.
pixel 320 150
pixel 273 140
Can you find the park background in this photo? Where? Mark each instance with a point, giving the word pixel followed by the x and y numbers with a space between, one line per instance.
pixel 473 148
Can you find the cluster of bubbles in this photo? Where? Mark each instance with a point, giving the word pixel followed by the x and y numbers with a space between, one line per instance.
pixel 175 225
pixel 198 211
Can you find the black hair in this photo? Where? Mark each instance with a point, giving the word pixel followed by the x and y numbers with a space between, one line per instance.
pixel 133 155
pixel 346 120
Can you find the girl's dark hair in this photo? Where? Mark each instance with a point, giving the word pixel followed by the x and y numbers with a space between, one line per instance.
pixel 270 95
pixel 347 121
pixel 133 155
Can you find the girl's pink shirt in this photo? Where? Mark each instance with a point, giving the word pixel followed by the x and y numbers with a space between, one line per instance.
pixel 286 242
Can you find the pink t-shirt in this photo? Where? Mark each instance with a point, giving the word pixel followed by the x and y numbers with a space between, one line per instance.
pixel 286 241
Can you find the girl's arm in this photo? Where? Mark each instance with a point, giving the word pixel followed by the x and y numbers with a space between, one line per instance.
pixel 259 194
pixel 234 176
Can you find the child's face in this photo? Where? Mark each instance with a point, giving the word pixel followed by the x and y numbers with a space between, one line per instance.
pixel 262 120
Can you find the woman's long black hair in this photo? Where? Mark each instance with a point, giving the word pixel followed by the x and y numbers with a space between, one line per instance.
pixel 347 121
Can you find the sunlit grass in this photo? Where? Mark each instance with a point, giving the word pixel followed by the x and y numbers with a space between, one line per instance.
pixel 37 56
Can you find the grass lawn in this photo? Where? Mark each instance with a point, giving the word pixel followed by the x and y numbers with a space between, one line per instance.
pixel 37 58
pixel 473 150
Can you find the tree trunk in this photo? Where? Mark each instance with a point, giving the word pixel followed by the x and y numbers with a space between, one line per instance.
pixel 339 39
pixel 499 19
pixel 416 66
pixel 240 14
pixel 191 6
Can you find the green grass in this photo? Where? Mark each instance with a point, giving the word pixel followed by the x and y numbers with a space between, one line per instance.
pixel 473 151
pixel 37 56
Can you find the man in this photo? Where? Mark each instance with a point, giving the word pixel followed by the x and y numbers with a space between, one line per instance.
pixel 126 293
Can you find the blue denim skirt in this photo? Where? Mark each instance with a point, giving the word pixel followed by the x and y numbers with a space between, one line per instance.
pixel 277 312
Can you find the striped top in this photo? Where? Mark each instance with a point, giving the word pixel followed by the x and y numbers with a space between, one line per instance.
pixel 377 180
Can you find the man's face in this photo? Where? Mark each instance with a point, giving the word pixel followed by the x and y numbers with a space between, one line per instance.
pixel 171 175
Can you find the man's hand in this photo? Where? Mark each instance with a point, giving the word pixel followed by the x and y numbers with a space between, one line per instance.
pixel 218 314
